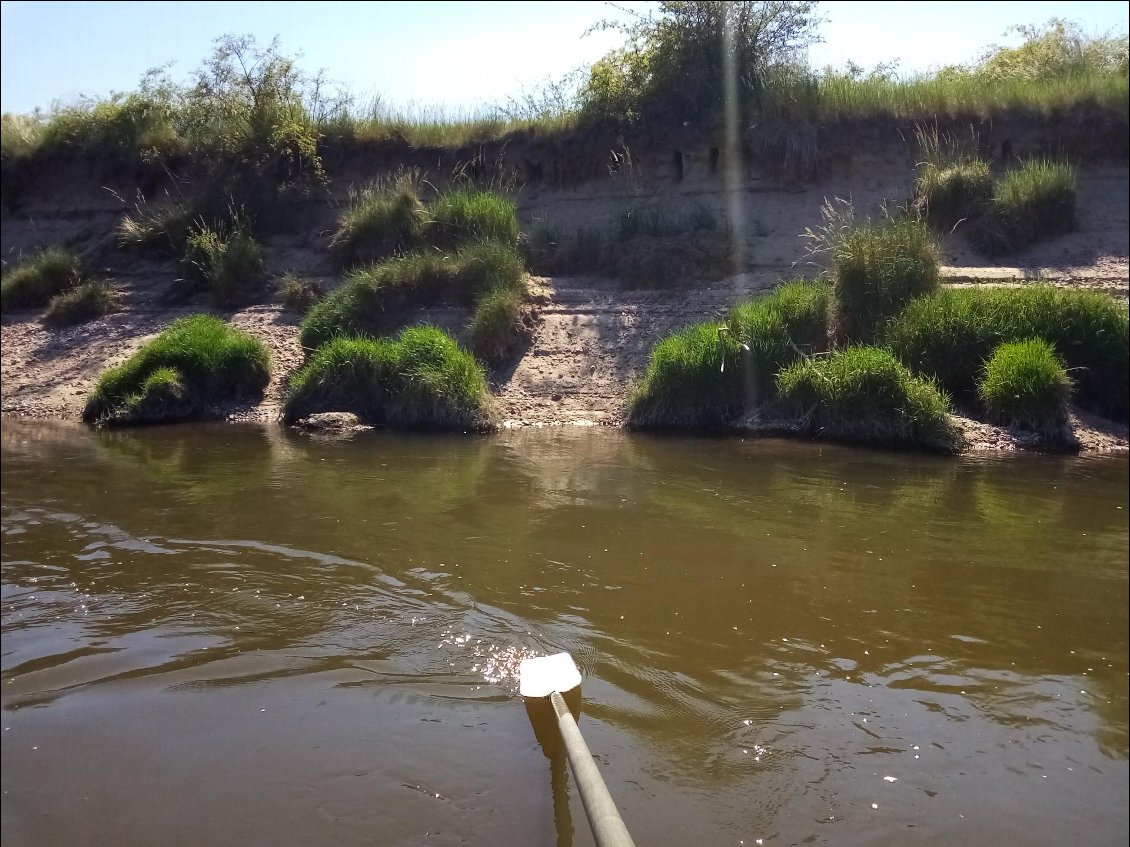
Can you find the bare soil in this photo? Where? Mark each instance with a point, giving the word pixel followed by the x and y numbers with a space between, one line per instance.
pixel 593 335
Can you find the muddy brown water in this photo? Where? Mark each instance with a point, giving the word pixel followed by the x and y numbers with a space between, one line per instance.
pixel 228 635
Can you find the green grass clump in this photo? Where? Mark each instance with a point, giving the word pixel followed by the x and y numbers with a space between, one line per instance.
pixel 706 375
pixel 1030 203
pixel 85 303
pixel 863 394
pixel 950 334
pixel 499 325
pixel 694 380
pixel 195 363
pixel 877 268
pixel 226 259
pixel 162 229
pixel 368 300
pixel 948 193
pixel 1024 384
pixel 380 221
pixel 421 379
pixel 461 216
pixel 33 283
pixel 299 294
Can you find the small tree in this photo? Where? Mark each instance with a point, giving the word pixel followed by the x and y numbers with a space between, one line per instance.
pixel 674 65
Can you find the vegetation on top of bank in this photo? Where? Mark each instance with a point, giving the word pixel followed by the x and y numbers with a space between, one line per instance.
pixel 253 105
pixel 198 362
pixel 421 379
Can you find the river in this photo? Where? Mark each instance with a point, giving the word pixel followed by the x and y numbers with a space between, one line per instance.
pixel 216 634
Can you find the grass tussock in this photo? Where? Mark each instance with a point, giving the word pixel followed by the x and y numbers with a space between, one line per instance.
pixel 32 284
pixel 950 193
pixel 876 268
pixel 1024 384
pixel 501 322
pixel 864 394
pixel 299 294
pixel 950 334
pixel 380 221
pixel 224 258
pixel 369 299
pixel 462 216
pixel 421 379
pixel 708 374
pixel 197 362
pixel 163 229
pixel 87 302
pixel 1029 204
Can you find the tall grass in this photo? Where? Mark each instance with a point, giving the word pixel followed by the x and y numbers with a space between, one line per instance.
pixel 461 216
pixel 1030 203
pixel 225 258
pixel 161 228
pixel 500 323
pixel 420 379
pixel 950 334
pixel 1024 384
pixel 950 192
pixel 369 299
pixel 864 394
pixel 33 283
pixel 203 358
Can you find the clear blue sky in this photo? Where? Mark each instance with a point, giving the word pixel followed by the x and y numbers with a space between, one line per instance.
pixel 459 55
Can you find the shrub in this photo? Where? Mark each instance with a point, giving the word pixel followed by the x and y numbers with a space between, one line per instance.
pixel 1024 384
pixel 299 294
pixel 694 380
pixel 421 379
pixel 368 300
pixel 877 268
pixel 864 394
pixel 948 193
pixel 499 324
pixel 33 283
pixel 225 258
pixel 460 216
pixel 1030 203
pixel 950 334
pixel 380 221
pixel 85 303
pixel 197 362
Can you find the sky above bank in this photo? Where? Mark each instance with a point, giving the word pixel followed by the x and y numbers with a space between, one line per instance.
pixel 459 56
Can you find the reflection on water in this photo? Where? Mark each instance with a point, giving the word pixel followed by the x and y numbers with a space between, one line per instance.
pixel 223 635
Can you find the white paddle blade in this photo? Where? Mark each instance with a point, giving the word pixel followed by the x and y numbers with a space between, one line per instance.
pixel 542 676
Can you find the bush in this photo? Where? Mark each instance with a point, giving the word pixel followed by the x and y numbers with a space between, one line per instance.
pixel 299 294
pixel 225 258
pixel 864 394
pixel 950 334
pixel 461 216
pixel 367 302
pixel 877 268
pixel 379 222
pixel 33 283
pixel 1030 203
pixel 948 193
pixel 500 323
pixel 195 363
pixel 420 380
pixel 694 380
pixel 1024 384
pixel 89 301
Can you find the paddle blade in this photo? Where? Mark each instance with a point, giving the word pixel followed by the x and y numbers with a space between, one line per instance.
pixel 542 676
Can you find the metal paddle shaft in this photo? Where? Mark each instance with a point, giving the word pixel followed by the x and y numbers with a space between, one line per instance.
pixel 607 827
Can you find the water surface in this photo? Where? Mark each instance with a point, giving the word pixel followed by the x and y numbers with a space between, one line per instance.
pixel 225 635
